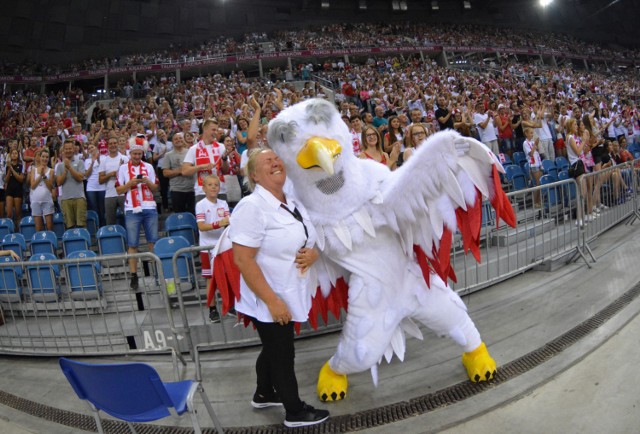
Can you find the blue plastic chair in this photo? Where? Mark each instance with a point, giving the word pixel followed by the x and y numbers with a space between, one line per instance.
pixel 44 242
pixel 43 279
pixel 570 190
pixel 112 240
pixel 58 225
pixel 15 242
pixel 182 224
pixel 519 158
pixel 93 223
pixel 165 248
pixel 6 227
pixel 75 239
pixel 551 195
pixel 26 210
pixel 516 177
pixel 134 392
pixel 549 168
pixel 83 278
pixel 27 227
pixel 10 281
pixel 562 164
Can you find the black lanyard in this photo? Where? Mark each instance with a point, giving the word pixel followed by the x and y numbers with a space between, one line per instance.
pixel 296 215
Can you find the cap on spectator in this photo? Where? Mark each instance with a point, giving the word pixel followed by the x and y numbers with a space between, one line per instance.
pixel 138 143
pixel 501 106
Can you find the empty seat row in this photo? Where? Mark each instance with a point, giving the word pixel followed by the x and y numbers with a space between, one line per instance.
pixel 83 278
pixel 27 226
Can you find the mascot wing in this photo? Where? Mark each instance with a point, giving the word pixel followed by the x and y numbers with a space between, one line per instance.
pixel 440 189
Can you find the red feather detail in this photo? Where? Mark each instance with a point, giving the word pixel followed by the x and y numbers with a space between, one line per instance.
pixel 470 223
pixel 423 262
pixel 501 202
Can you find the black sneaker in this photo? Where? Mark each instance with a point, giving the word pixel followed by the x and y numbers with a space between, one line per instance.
pixel 261 401
pixel 134 282
pixel 305 417
pixel 214 316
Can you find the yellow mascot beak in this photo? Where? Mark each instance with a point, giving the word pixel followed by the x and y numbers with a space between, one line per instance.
pixel 319 152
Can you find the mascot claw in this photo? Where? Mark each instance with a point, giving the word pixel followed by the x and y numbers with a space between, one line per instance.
pixel 331 386
pixel 479 364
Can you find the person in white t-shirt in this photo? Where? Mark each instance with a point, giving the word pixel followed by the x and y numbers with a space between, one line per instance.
pixel 207 157
pixel 107 174
pixel 530 147
pixel 486 129
pixel 94 190
pixel 138 181
pixel 212 215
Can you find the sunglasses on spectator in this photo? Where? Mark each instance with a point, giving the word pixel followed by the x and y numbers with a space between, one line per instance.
pixel 371 135
pixel 418 134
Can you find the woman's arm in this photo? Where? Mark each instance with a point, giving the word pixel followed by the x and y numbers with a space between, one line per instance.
pixel 244 258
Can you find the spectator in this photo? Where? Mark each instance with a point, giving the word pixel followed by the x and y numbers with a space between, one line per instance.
pixel 484 122
pixel 69 176
pixel 530 147
pixel 160 150
pixel 181 187
pixel 107 175
pixel 137 180
pixel 356 133
pixel 94 190
pixel 205 158
pixel 41 184
pixel 212 215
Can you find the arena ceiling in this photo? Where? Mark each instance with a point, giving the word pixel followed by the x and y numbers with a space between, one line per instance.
pixel 67 30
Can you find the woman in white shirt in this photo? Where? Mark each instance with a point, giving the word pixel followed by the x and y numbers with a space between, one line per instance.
pixel 273 243
pixel 41 183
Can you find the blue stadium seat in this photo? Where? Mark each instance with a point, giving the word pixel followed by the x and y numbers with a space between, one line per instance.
pixel 6 227
pixel 134 392
pixel 165 248
pixel 551 195
pixel 83 278
pixel 562 164
pixel 43 279
pixel 75 239
pixel 58 225
pixel 93 223
pixel 516 177
pixel 549 168
pixel 15 242
pixel 26 210
pixel 570 190
pixel 112 240
pixel 519 158
pixel 27 227
pixel 182 224
pixel 44 242
pixel 10 281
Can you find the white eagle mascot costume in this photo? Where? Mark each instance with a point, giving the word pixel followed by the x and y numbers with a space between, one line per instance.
pixel 374 227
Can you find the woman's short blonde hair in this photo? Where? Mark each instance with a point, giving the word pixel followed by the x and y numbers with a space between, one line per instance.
pixel 251 165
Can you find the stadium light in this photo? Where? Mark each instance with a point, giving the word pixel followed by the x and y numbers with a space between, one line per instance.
pixel 545 3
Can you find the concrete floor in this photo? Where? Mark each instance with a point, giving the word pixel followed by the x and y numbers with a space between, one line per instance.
pixel 589 388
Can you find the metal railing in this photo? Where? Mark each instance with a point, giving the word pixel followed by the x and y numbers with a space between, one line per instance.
pixel 165 314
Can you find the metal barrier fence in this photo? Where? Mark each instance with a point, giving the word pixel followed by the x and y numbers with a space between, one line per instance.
pixel 90 310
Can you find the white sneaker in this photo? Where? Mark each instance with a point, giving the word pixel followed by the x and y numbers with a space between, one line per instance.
pixel 588 218
pixel 596 210
pixel 603 206
pixel 579 223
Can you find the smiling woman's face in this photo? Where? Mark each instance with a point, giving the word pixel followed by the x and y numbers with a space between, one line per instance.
pixel 269 171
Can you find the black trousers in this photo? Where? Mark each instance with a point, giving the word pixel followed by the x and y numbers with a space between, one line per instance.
pixel 275 367
pixel 183 201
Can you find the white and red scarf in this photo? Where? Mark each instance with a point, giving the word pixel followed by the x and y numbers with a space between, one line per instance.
pixel 142 191
pixel 204 156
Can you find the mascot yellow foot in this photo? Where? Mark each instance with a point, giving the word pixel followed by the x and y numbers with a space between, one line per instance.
pixel 331 386
pixel 479 363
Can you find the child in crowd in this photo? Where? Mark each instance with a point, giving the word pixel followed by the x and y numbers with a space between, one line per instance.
pixel 530 147
pixel 212 215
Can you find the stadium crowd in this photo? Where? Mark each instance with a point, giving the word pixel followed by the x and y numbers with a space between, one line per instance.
pixel 380 100
pixel 338 36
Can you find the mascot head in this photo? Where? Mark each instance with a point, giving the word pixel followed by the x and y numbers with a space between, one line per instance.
pixel 315 145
